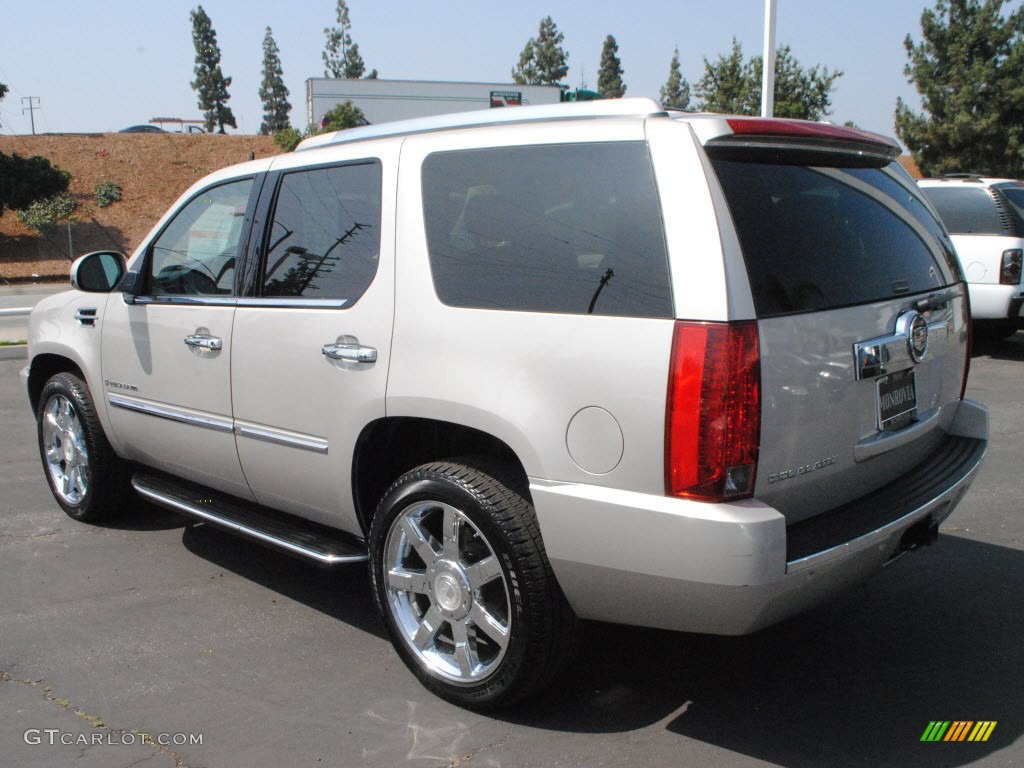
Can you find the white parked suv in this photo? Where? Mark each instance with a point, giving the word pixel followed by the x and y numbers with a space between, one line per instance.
pixel 986 220
pixel 595 361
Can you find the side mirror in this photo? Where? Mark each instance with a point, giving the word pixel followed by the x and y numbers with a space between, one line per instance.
pixel 98 272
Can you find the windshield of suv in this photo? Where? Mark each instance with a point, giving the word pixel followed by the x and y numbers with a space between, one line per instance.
pixel 818 238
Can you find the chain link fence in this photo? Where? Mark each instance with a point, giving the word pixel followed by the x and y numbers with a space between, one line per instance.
pixel 71 239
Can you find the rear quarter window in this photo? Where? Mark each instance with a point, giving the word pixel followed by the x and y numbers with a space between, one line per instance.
pixel 570 228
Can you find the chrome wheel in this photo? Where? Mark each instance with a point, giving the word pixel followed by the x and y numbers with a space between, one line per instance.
pixel 65 450
pixel 446 592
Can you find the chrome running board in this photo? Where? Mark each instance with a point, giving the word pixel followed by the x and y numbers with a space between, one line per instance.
pixel 326 546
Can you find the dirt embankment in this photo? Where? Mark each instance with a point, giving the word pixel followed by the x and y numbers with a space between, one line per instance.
pixel 152 170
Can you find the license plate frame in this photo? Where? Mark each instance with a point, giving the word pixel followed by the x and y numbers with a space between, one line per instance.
pixel 896 400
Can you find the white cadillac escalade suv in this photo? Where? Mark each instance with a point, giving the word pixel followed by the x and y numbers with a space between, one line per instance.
pixel 596 361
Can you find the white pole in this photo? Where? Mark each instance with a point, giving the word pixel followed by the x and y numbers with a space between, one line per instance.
pixel 768 75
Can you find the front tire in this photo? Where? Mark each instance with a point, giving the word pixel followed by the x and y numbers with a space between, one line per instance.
pixel 86 477
pixel 464 587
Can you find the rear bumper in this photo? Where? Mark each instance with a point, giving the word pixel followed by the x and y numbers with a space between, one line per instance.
pixel 734 568
pixel 995 302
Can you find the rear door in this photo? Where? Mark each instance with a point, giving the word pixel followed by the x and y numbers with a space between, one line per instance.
pixel 312 335
pixel 862 319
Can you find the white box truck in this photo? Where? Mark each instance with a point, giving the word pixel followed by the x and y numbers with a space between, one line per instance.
pixel 385 100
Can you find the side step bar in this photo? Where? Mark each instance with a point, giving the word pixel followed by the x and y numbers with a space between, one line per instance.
pixel 317 542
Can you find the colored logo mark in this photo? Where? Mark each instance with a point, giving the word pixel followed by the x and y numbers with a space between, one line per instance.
pixel 958 730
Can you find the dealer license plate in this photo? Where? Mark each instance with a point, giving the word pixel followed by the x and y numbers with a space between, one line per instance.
pixel 897 400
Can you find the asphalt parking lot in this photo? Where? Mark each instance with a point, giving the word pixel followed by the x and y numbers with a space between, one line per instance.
pixel 189 635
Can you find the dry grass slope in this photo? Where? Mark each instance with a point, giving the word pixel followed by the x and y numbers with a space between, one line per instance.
pixel 152 169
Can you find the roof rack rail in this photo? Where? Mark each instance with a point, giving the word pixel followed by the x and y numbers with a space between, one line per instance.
pixel 566 110
pixel 962 176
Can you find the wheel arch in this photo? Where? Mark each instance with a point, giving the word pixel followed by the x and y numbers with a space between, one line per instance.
pixel 45 366
pixel 389 447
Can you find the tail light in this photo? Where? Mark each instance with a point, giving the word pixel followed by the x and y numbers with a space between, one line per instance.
pixel 968 321
pixel 1009 269
pixel 713 417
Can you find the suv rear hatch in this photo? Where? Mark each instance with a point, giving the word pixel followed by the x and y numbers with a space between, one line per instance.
pixel 862 321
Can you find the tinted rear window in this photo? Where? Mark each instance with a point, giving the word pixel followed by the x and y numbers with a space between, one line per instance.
pixel 570 228
pixel 966 210
pixel 822 238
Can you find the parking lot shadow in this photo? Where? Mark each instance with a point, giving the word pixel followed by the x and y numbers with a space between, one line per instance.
pixel 342 592
pixel 144 516
pixel 1011 348
pixel 854 683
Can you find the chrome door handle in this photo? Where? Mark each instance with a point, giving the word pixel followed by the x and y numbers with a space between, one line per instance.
pixel 204 342
pixel 351 353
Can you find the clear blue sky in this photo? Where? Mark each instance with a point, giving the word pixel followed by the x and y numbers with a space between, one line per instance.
pixel 101 66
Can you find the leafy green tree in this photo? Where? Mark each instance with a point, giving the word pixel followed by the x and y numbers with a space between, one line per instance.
pixel 210 83
pixel 3 91
pixel 287 139
pixel 543 61
pixel 732 84
pixel 675 93
pixel 969 70
pixel 609 76
pixel 341 56
pixel 273 92
pixel 725 86
pixel 805 94
pixel 23 181
pixel 345 115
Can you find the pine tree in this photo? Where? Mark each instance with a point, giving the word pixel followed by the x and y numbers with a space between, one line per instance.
pixel 543 61
pixel 675 93
pixel 210 83
pixel 273 92
pixel 341 56
pixel 969 70
pixel 609 76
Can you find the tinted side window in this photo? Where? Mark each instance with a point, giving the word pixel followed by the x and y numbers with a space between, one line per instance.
pixel 196 253
pixel 565 228
pixel 822 238
pixel 1015 195
pixel 324 242
pixel 966 210
pixel 1010 201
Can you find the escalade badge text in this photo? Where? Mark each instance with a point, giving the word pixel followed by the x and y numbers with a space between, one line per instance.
pixel 786 474
pixel 119 385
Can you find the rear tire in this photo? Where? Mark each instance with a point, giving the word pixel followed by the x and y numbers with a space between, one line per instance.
pixel 86 477
pixel 464 587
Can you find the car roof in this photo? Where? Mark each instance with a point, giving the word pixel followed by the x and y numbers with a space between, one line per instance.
pixel 968 179
pixel 708 127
